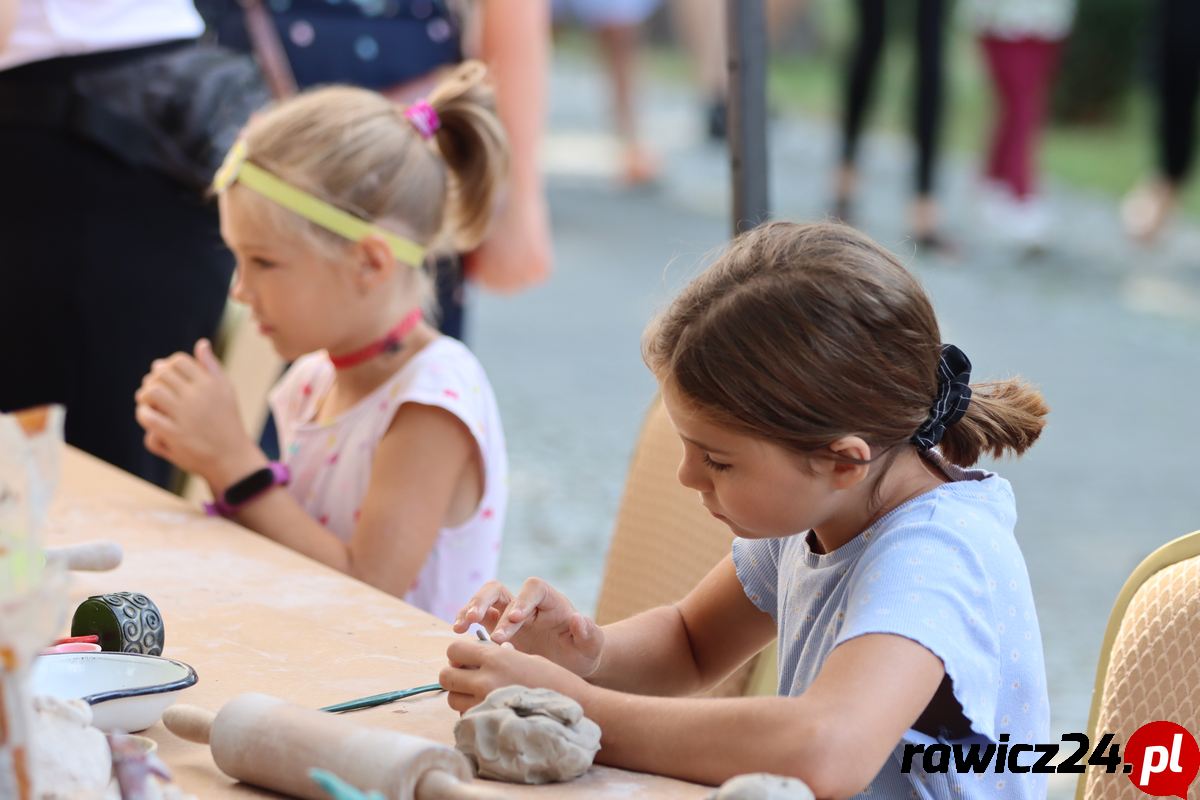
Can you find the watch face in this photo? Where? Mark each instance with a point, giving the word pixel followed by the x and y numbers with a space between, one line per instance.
pixel 249 486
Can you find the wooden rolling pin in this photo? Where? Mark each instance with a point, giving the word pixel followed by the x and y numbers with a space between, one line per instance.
pixel 99 556
pixel 262 740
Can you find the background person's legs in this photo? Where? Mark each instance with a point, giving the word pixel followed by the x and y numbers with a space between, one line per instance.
pixel 1176 46
pixel 927 115
pixel 701 27
pixel 620 44
pixel 861 70
pixel 1021 73
pixel 1021 70
pixel 1178 82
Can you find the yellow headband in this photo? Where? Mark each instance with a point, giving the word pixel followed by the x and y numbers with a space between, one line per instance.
pixel 236 169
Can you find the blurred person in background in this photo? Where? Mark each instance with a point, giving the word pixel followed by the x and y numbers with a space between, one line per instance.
pixel 111 253
pixel 1176 70
pixel 400 48
pixel 1021 42
pixel 701 27
pixel 617 25
pixel 861 73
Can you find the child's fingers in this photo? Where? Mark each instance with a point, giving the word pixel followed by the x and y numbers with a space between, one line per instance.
pixel 156 445
pixel 155 422
pixel 460 702
pixel 467 654
pixel 458 682
pixel 534 593
pixel 506 627
pixel 181 364
pixel 149 382
pixel 162 376
pixel 207 358
pixel 492 594
pixel 158 397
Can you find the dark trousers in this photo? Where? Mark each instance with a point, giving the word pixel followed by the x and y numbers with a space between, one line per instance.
pixel 863 68
pixel 103 268
pixel 1177 64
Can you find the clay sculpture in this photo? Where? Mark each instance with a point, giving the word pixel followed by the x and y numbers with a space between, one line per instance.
pixel 527 735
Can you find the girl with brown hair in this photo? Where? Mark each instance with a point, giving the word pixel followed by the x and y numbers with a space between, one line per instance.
pixel 394 457
pixel 825 422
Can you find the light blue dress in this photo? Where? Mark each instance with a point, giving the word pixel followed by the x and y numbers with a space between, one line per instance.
pixel 945 571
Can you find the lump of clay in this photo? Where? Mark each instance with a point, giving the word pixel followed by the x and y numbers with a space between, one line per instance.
pixel 762 786
pixel 528 736
pixel 69 758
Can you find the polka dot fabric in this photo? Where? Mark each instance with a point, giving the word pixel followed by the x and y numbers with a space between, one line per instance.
pixel 331 462
pixel 377 44
pixel 945 571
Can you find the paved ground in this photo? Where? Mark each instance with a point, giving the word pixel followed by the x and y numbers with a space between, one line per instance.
pixel 1108 330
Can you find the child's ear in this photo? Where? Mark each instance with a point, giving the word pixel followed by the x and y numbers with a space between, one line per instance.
pixel 374 262
pixel 844 471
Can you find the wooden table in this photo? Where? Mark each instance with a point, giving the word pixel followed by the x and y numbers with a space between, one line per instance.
pixel 250 615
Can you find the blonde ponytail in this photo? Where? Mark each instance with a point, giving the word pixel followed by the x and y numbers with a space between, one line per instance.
pixel 356 149
pixel 474 146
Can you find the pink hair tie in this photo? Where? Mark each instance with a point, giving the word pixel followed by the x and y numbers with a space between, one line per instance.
pixel 423 118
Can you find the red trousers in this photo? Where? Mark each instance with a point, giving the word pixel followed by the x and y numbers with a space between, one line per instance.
pixel 1021 71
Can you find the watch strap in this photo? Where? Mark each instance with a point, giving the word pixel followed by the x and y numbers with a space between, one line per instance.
pixel 240 492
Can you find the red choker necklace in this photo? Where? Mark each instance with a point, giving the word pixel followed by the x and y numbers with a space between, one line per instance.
pixel 390 343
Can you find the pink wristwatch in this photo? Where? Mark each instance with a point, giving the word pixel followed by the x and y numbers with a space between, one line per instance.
pixel 243 491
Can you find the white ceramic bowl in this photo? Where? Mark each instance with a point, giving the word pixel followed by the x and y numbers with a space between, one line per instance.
pixel 127 692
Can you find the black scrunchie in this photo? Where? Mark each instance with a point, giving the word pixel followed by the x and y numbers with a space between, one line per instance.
pixel 953 397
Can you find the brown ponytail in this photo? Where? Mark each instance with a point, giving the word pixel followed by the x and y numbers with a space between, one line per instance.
pixel 802 334
pixel 1003 417
pixel 473 143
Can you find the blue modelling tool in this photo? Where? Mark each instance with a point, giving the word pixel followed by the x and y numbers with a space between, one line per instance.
pixel 475 628
pixel 381 699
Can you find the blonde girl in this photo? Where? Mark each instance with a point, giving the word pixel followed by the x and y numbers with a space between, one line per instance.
pixel 393 454
pixel 824 421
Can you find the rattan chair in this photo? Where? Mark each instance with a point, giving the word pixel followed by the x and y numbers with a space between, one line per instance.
pixel 665 542
pixel 1149 667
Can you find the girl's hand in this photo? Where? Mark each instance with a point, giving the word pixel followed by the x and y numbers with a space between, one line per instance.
pixel 476 668
pixel 189 411
pixel 540 620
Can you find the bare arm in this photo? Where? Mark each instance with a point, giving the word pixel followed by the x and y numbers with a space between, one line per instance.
pixel 188 408
pixel 677 649
pixel 687 647
pixel 514 42
pixel 404 509
pixel 836 736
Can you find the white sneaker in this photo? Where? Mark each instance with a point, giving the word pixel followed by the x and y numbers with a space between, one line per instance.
pixel 1021 222
pixel 1029 222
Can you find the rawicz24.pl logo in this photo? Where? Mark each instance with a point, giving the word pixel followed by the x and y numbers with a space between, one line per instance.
pixel 1161 758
